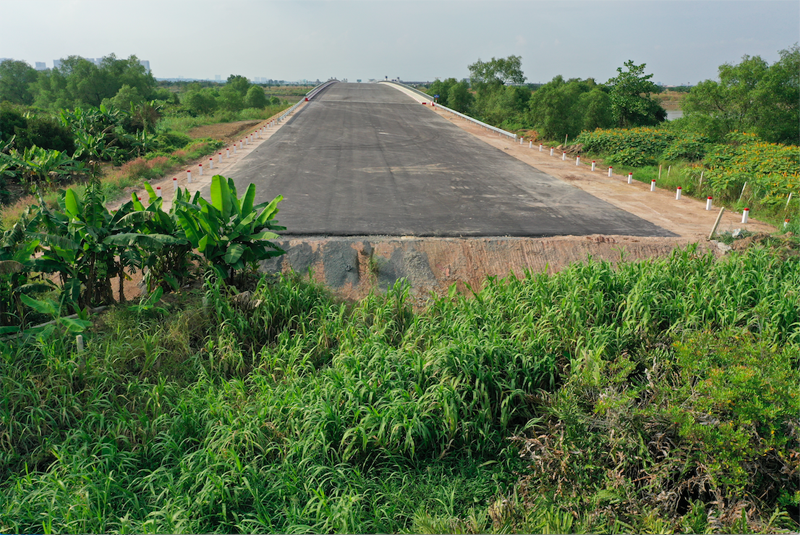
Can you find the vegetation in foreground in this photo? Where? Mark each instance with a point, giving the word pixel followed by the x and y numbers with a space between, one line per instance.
pixel 658 396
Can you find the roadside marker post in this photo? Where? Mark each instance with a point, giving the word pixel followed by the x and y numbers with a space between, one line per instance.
pixel 577 160
pixel 530 144
pixel 211 163
pixel 158 191
pixel 563 156
pixel 708 203
pixel 540 147
pixel 234 148
pixel 786 222
pixel 653 185
pixel 609 171
pixel 630 178
pixel 745 216
pixel 201 169
pixel 175 184
pixel 227 153
pixel 189 175
pixel 551 151
pixel 678 194
pixel 593 165
pixel 219 157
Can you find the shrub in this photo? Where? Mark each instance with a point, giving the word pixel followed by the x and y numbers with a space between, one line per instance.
pixel 170 141
pixel 630 157
pixel 649 141
pixel 137 168
pixel 689 146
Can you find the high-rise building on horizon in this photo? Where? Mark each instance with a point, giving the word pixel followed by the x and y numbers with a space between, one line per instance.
pixel 146 64
pixel 40 66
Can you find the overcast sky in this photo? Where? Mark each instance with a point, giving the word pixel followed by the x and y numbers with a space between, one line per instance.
pixel 681 41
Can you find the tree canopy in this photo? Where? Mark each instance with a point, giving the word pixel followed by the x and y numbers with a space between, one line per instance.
pixel 16 78
pixel 631 104
pixel 497 71
pixel 751 95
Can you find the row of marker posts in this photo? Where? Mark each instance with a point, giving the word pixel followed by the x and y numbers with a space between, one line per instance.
pixel 244 141
pixel 709 200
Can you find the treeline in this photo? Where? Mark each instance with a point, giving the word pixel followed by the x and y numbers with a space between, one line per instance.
pixel 121 83
pixel 751 96
pixel 54 122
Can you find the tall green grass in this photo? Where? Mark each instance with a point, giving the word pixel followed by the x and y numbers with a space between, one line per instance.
pixel 283 410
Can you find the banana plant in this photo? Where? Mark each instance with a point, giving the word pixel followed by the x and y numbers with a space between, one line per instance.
pixel 165 255
pixel 17 251
pixel 40 165
pixel 74 246
pixel 230 232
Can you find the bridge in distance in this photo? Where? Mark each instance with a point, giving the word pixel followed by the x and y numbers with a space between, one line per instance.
pixel 366 159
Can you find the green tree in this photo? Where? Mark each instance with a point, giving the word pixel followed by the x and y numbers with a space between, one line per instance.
pixel 596 106
pixel 16 78
pixel 560 107
pixel 10 119
pixel 497 71
pixel 199 102
pixel 239 83
pixel 631 104
pixel 255 98
pixel 125 97
pixel 459 98
pixel 78 82
pixel 493 101
pixel 442 88
pixel 230 99
pixel 752 96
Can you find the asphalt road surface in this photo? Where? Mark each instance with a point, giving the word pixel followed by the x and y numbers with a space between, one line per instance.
pixel 366 159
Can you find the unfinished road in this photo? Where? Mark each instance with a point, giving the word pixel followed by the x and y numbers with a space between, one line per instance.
pixel 366 159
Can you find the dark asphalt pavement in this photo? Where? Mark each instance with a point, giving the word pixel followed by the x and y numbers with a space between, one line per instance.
pixel 365 159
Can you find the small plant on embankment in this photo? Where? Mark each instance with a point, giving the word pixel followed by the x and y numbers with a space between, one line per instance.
pixel 654 396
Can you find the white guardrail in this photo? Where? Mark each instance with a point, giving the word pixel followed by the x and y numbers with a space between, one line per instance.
pixel 454 112
pixel 309 96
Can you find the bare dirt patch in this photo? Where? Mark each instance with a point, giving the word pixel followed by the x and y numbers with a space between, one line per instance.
pixel 226 132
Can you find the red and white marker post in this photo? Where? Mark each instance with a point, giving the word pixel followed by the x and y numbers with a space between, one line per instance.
pixel 653 185
pixel 708 202
pixel 563 156
pixel 745 216
pixel 593 164
pixel 540 147
pixel 189 176
pixel 158 191
pixel 551 151
pixel 609 171
pixel 630 178
pixel 201 169
pixel 678 193
pixel 211 163
pixel 577 160
pixel 175 184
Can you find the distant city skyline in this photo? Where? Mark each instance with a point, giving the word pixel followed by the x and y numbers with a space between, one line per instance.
pixel 681 41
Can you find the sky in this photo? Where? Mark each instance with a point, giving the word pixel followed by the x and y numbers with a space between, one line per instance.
pixel 680 41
